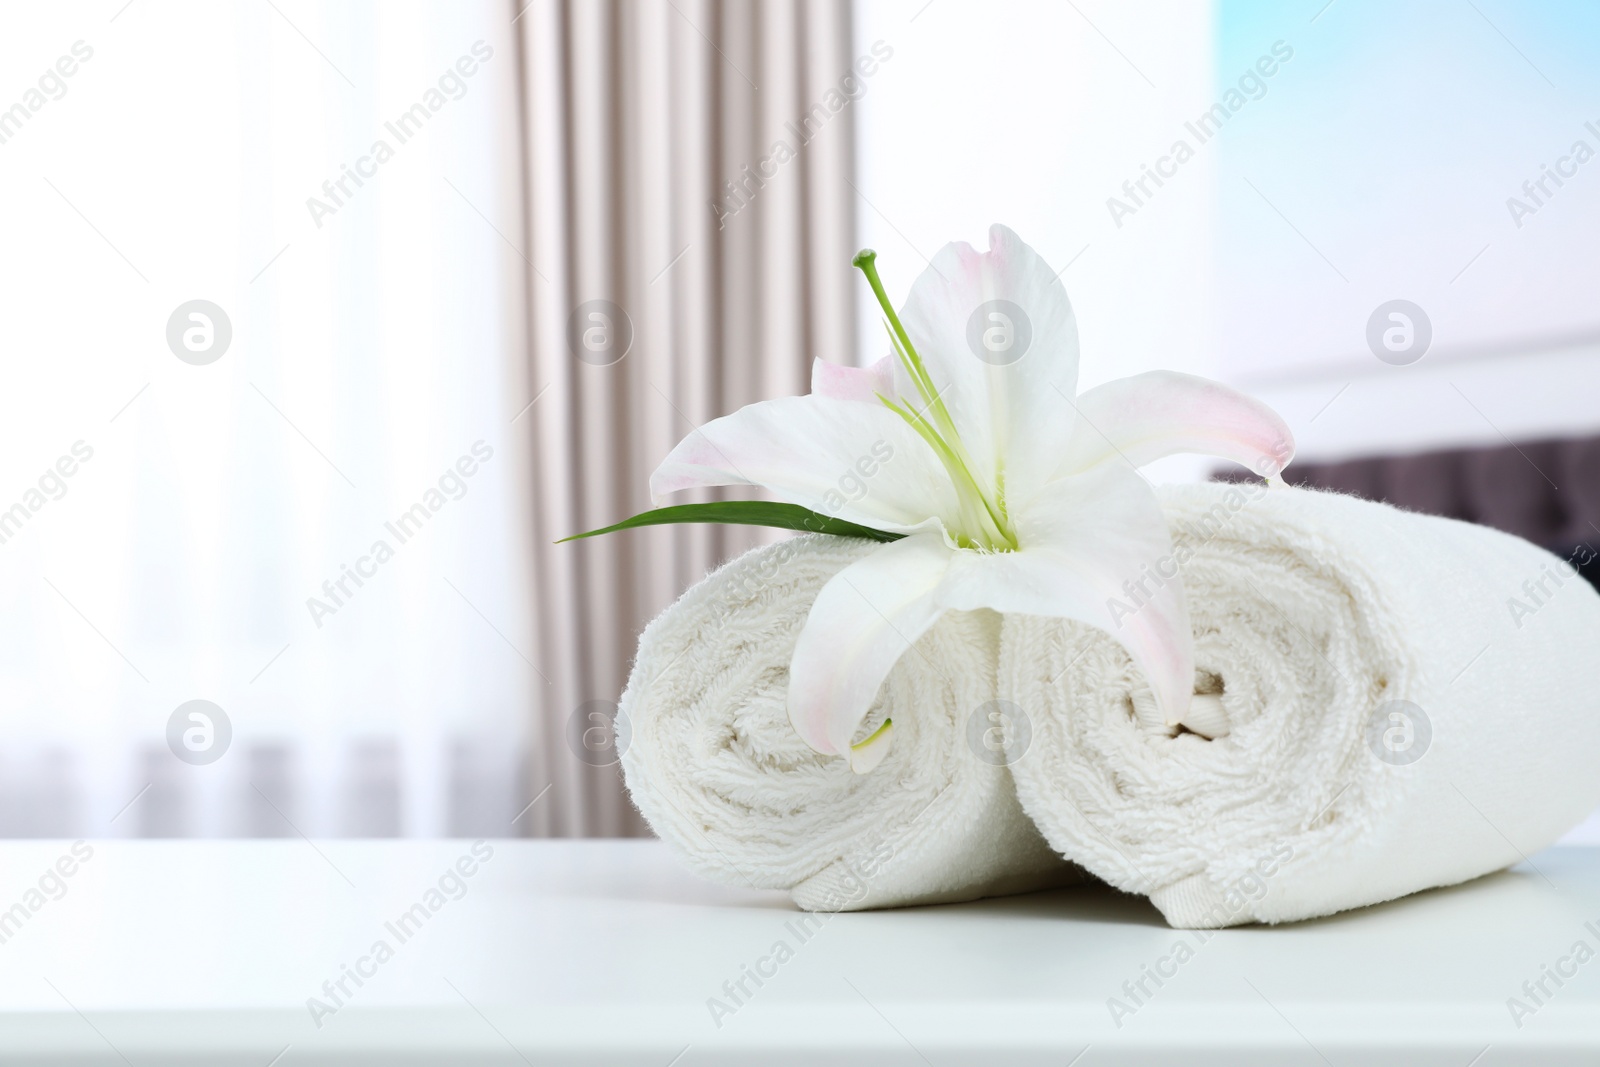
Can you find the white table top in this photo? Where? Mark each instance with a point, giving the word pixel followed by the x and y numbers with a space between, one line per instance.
pixel 607 953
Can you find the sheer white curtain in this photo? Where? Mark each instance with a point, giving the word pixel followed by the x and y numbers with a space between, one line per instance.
pixel 343 183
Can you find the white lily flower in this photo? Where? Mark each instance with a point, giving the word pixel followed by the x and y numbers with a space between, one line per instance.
pixel 1013 492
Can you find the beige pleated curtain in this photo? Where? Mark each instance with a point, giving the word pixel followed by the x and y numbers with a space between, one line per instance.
pixel 657 207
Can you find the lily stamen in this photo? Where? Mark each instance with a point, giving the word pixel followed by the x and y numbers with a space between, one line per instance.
pixel 983 521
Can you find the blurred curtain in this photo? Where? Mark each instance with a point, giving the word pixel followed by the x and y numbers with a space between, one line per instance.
pixel 183 523
pixel 689 234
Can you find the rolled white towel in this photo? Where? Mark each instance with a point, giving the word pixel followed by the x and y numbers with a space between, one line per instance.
pixel 1391 702
pixel 722 777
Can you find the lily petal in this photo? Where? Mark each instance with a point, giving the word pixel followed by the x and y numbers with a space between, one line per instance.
pixel 858 462
pixel 866 755
pixel 865 618
pixel 1011 405
pixel 1094 549
pixel 1165 413
pixel 853 383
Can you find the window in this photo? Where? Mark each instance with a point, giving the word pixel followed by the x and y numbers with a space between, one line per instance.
pixel 259 418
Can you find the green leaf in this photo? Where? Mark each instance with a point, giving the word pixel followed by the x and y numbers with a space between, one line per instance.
pixel 746 513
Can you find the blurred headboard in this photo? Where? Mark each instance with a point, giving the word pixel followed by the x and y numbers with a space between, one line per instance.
pixel 1545 491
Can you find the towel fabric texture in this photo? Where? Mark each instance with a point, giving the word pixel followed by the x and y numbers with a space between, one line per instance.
pixel 1388 702
pixel 721 776
pixel 1385 702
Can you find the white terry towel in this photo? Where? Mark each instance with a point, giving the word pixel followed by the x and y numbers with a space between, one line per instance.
pixel 1312 614
pixel 721 775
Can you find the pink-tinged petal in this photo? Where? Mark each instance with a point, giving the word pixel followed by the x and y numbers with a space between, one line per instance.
pixel 866 617
pixel 853 383
pixel 1095 548
pixel 1000 341
pixel 857 462
pixel 1164 413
